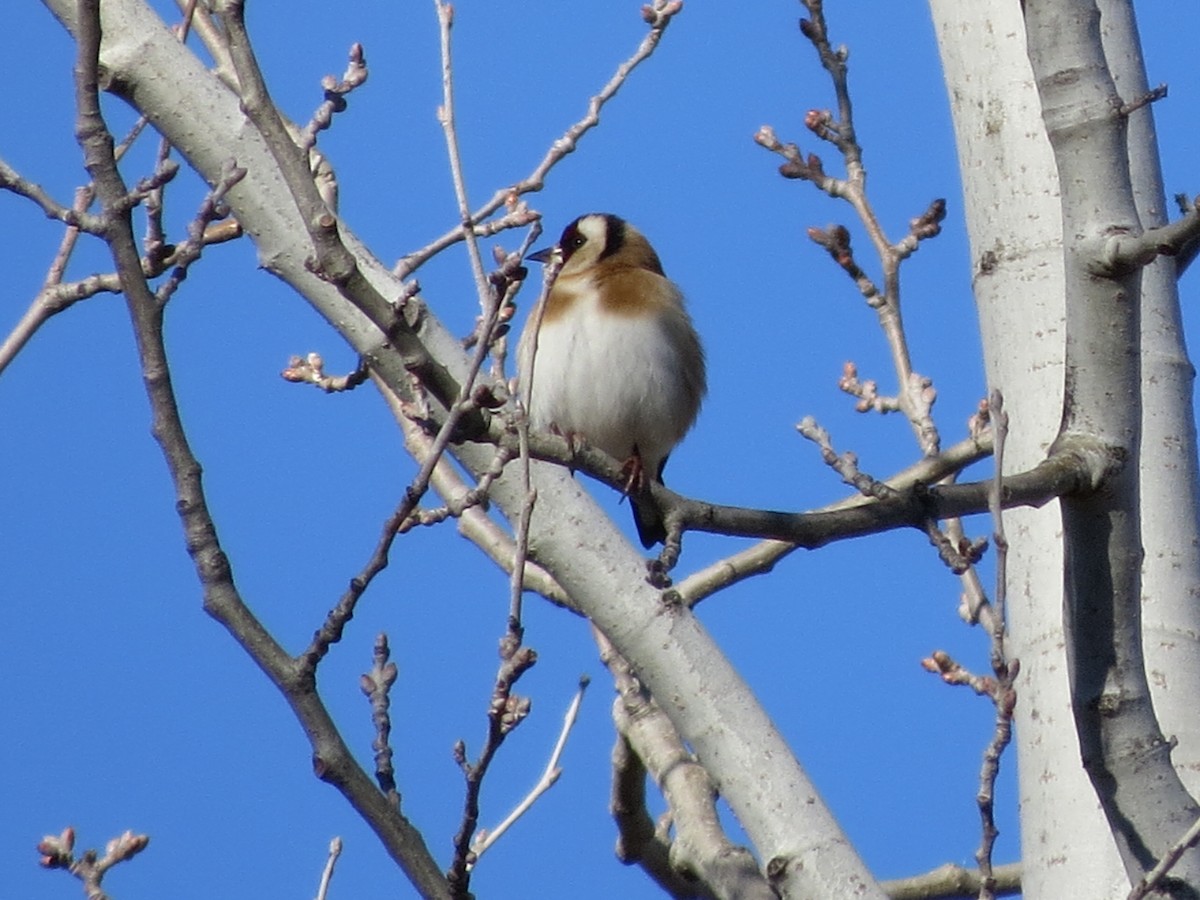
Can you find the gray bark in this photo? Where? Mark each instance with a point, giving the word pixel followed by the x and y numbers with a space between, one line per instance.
pixel 1014 218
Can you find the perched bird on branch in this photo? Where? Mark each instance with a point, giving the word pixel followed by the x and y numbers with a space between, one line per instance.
pixel 614 359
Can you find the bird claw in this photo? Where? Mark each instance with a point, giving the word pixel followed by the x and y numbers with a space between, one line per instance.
pixel 575 442
pixel 633 471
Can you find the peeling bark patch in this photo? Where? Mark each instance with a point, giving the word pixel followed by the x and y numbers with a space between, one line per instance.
pixel 988 262
pixel 1065 77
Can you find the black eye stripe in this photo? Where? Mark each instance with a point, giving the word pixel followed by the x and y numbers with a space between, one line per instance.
pixel 614 235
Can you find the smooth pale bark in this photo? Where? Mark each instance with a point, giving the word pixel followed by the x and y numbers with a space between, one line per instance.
pixel 798 842
pixel 1012 209
pixel 1124 750
pixel 1169 482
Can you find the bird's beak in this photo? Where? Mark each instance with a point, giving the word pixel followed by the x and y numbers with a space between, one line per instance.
pixel 542 256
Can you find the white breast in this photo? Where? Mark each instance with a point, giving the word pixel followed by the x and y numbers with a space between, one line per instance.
pixel 618 381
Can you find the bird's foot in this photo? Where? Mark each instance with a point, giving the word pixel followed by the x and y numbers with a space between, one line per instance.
pixel 633 474
pixel 575 442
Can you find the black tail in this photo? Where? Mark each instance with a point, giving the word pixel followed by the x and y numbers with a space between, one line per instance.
pixel 649 523
pixel 650 526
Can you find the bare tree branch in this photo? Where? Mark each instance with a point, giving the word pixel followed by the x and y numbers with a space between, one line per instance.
pixel 332 759
pixel 49 302
pixel 56 296
pixel 58 852
pixel 951 882
pixel 77 218
pixel 1004 670
pixel 487 301
pixel 761 558
pixel 335 850
pixel 699 860
pixel 1130 251
pixel 916 394
pixel 549 777
pixel 331 631
pixel 657 15
pixel 1155 876
pixel 181 257
pixel 506 711
pixel 1078 468
pixel 462 502
pixel 376 685
pixel 336 92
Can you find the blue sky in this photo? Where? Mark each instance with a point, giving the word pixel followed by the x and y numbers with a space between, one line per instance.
pixel 127 707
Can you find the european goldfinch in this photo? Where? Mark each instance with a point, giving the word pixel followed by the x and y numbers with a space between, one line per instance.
pixel 615 360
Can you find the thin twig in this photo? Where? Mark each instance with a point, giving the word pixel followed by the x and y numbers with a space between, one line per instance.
pixel 953 672
pixel 331 259
pixel 58 852
pixel 473 523
pixel 58 266
pixel 463 502
pixel 516 580
pixel 377 686
pixel 335 622
pixel 1151 96
pixel 488 299
pixel 550 775
pixel 915 393
pixel 154 244
pixel 1004 694
pixel 185 254
pixel 845 464
pixel 1005 698
pixel 527 367
pixel 505 712
pixel 336 92
pixel 763 556
pixel 999 419
pixel 1154 877
pixel 658 15
pixel 49 302
pixel 974 606
pixel 517 215
pixel 335 850
pixel 12 181
pixel 958 556
pixel 952 882
pixel 55 297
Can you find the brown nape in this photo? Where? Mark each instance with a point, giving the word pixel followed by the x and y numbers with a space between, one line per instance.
pixel 623 239
pixel 642 256
pixel 630 291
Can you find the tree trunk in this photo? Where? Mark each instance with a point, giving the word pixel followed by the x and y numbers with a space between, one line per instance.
pixel 1014 217
pixel 1169 478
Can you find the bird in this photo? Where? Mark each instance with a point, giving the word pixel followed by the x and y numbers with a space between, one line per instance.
pixel 613 358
